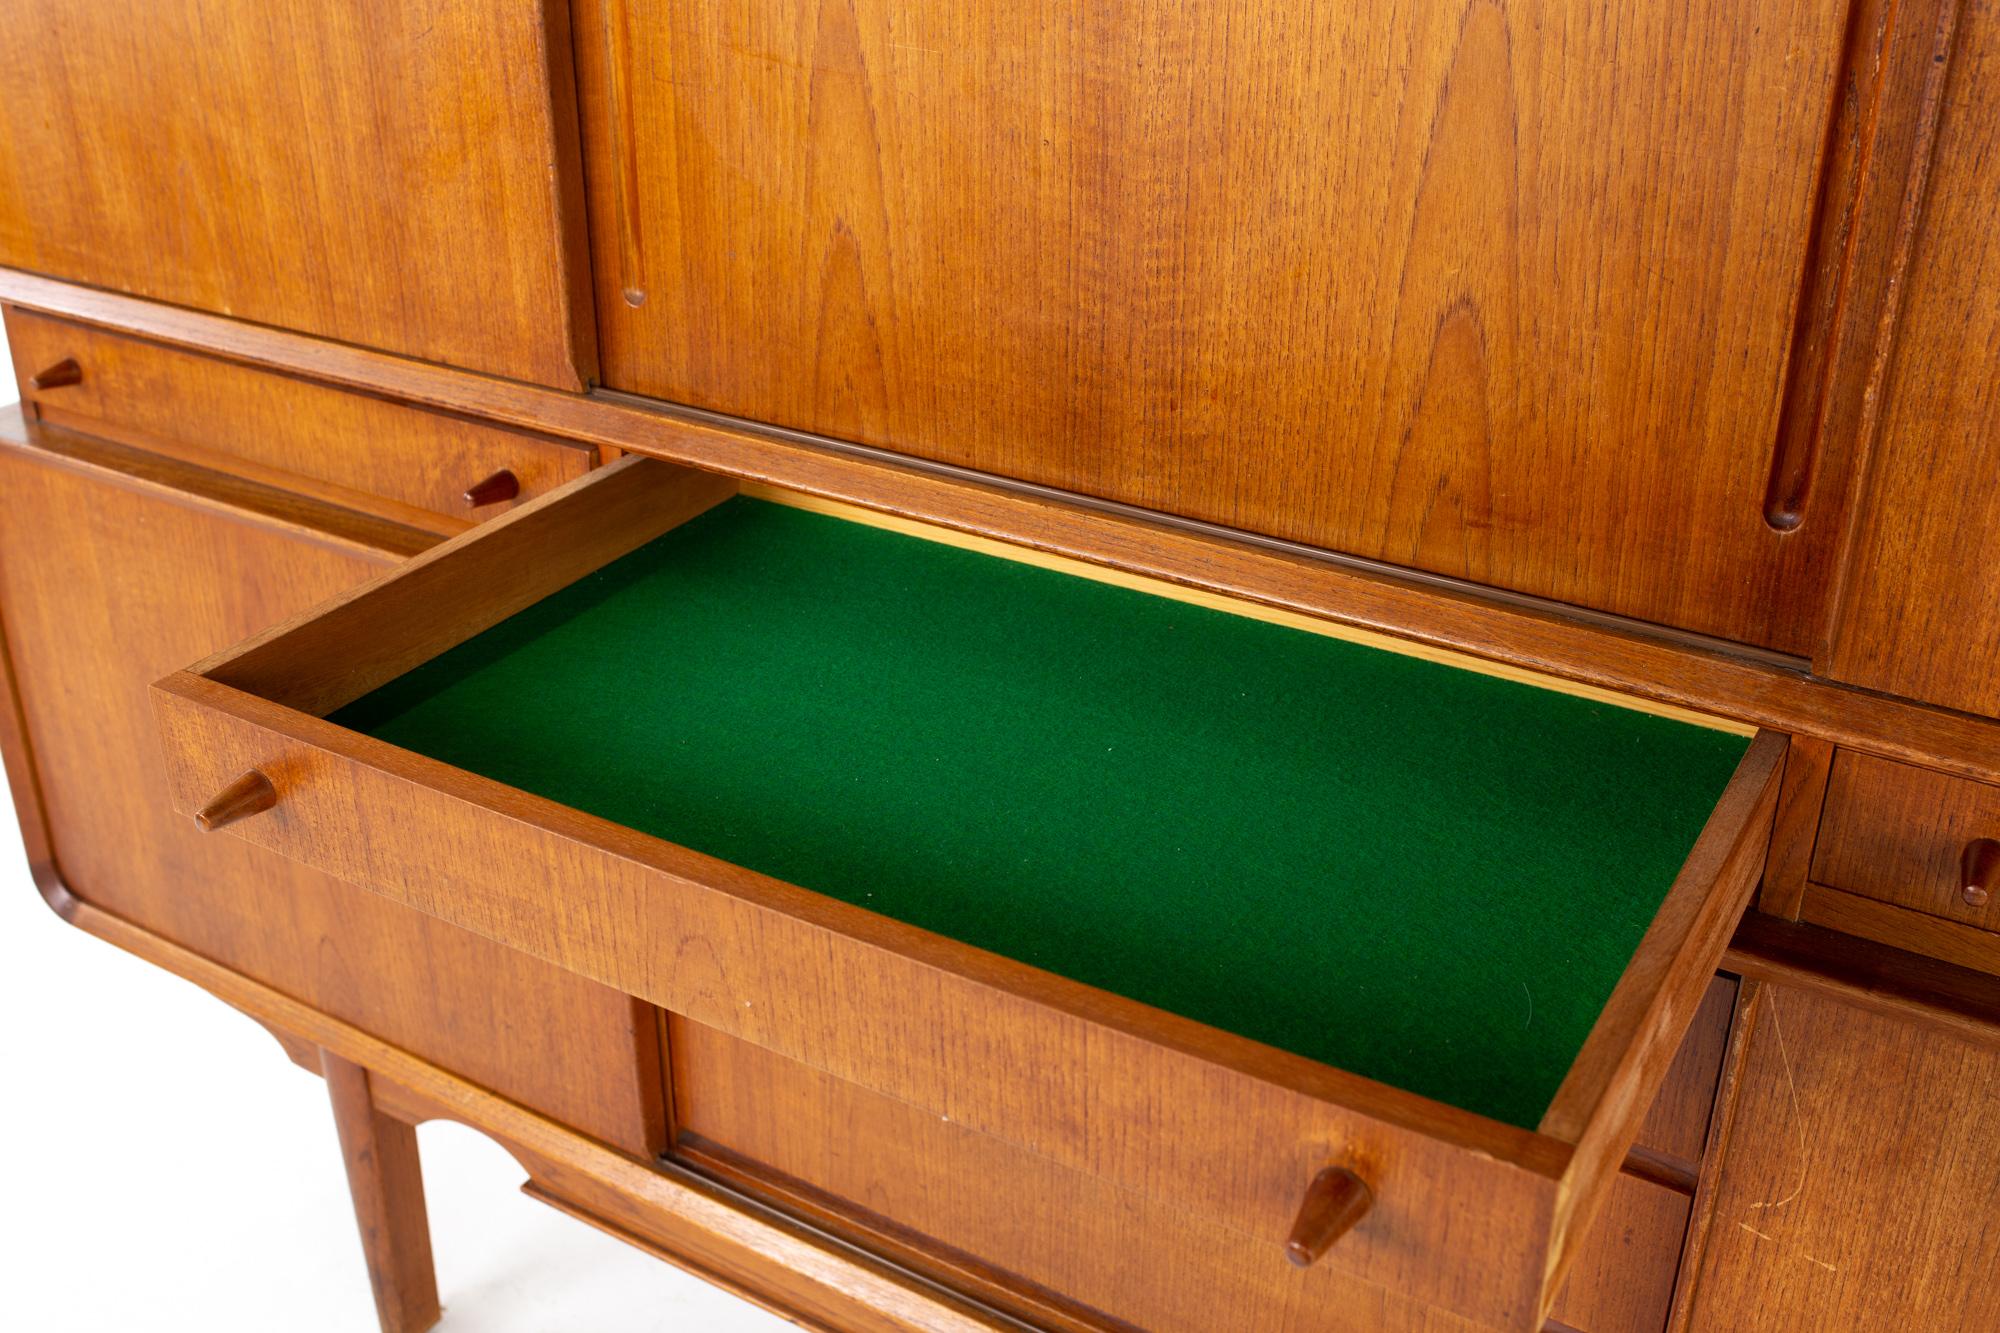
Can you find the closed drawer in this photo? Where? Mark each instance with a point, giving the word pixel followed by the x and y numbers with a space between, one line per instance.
pixel 403 463
pixel 1892 858
pixel 925 1193
pixel 1195 905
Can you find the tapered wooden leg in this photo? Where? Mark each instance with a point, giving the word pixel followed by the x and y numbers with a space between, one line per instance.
pixel 388 1187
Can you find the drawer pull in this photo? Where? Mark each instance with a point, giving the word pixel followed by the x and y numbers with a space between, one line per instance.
pixel 249 795
pixel 1980 871
pixel 502 485
pixel 1335 1201
pixel 62 374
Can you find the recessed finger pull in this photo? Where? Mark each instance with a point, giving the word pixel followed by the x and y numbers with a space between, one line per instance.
pixel 63 373
pixel 502 485
pixel 1980 872
pixel 1335 1201
pixel 249 795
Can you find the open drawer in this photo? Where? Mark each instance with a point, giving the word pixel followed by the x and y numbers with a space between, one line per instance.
pixel 1298 935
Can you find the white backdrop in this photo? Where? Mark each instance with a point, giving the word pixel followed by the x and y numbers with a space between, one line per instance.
pixel 169 1169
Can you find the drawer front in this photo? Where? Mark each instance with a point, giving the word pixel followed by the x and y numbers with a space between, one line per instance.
pixel 1469 1215
pixel 401 462
pixel 1897 835
pixel 1058 1248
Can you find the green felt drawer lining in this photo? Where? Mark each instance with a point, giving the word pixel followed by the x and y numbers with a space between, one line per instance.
pixel 1418 873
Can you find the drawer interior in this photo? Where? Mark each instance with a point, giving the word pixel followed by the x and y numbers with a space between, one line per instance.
pixel 1423 874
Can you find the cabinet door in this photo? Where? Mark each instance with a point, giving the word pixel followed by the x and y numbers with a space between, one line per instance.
pixel 386 172
pixel 1860 1186
pixel 1502 293
pixel 1922 612
pixel 108 582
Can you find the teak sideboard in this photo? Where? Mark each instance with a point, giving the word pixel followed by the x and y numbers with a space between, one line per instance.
pixel 994 666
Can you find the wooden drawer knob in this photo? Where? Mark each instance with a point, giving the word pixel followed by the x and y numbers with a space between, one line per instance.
pixel 1979 872
pixel 502 485
pixel 63 373
pixel 1335 1201
pixel 249 795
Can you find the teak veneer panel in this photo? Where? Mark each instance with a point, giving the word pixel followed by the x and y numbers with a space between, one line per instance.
pixel 351 449
pixel 1920 616
pixel 1472 288
pixel 1778 695
pixel 1103 1085
pixel 105 580
pixel 385 173
pixel 1858 1191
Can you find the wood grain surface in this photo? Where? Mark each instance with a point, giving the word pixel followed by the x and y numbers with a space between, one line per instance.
pixel 805 1275
pixel 1859 1188
pixel 1920 615
pixel 381 172
pixel 1479 289
pixel 1056 1246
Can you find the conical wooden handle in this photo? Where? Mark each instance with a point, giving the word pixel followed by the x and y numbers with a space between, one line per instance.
pixel 249 795
pixel 502 485
pixel 1335 1201
pixel 62 373
pixel 1979 872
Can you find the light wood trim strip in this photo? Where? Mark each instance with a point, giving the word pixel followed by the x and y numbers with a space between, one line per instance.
pixel 217 460
pixel 1752 691
pixel 1269 615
